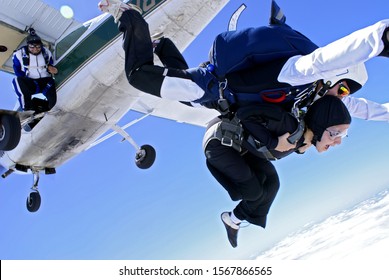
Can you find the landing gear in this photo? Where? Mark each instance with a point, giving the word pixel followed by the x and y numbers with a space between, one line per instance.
pixel 10 131
pixel 34 199
pixel 145 157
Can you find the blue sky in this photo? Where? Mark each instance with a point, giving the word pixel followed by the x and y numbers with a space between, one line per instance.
pixel 101 206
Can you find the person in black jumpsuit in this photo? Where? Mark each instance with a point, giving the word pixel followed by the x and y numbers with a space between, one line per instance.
pixel 249 176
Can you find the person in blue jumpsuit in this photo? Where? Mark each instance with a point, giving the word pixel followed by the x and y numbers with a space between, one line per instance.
pixel 34 70
pixel 277 57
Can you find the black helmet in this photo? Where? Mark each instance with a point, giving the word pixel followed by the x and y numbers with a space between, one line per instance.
pixel 355 76
pixel 32 38
pixel 324 113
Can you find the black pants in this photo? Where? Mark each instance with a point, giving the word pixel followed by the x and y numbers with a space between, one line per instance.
pixel 26 87
pixel 252 180
pixel 139 66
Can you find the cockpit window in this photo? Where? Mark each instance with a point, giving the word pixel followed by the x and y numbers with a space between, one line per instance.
pixel 62 46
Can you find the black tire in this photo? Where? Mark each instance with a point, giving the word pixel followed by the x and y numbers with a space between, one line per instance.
pixel 10 132
pixel 33 202
pixel 145 157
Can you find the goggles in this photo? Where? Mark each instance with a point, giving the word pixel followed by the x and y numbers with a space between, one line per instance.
pixel 343 90
pixel 335 134
pixel 34 46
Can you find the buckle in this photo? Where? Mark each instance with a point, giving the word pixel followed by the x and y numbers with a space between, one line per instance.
pixel 226 141
pixel 223 106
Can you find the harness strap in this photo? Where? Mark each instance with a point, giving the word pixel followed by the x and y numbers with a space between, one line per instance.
pixel 231 133
pixel 25 59
pixel 228 132
pixel 260 150
pixel 222 103
pixel 301 96
pixel 298 133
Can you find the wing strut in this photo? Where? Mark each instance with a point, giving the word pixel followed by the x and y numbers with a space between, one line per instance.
pixel 145 154
pixel 125 135
pixel 117 129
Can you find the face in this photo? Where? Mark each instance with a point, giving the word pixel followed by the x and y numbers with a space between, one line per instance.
pixel 34 48
pixel 340 90
pixel 332 136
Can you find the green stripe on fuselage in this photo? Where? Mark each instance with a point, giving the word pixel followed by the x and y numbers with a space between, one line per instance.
pixel 95 42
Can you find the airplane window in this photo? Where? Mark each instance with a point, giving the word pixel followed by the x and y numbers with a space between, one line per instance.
pixel 69 40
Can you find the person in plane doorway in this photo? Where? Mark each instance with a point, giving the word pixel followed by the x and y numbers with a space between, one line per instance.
pixel 34 70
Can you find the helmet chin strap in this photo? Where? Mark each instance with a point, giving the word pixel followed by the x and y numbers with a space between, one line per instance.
pixel 324 89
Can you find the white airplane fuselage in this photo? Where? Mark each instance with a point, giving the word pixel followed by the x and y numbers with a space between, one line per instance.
pixel 93 92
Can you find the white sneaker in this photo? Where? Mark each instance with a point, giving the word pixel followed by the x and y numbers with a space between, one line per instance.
pixel 116 8
pixel 157 36
pixel 156 39
pixel 231 228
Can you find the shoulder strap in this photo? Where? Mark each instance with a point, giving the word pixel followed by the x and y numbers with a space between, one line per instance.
pixel 25 57
pixel 45 55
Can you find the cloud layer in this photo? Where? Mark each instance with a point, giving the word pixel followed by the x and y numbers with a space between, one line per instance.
pixel 358 233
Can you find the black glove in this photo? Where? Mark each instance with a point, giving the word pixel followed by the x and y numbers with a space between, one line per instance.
pixel 385 39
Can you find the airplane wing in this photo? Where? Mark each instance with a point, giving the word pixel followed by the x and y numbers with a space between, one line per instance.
pixel 17 16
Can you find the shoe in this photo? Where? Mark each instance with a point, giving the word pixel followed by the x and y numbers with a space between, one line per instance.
pixel 156 39
pixel 157 36
pixel 232 229
pixel 116 8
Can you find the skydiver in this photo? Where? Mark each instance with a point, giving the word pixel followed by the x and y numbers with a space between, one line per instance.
pixel 33 67
pixel 199 85
pixel 245 170
pixel 299 62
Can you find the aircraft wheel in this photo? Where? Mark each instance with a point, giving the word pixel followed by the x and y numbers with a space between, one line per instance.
pixel 145 157
pixel 33 202
pixel 10 131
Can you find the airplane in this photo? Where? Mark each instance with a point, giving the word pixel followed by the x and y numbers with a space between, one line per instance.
pixel 93 92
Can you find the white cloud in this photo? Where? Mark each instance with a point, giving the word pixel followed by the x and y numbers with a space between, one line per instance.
pixel 359 233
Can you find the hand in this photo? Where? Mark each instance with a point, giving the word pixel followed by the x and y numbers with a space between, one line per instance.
pixel 283 143
pixel 387 33
pixel 52 70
